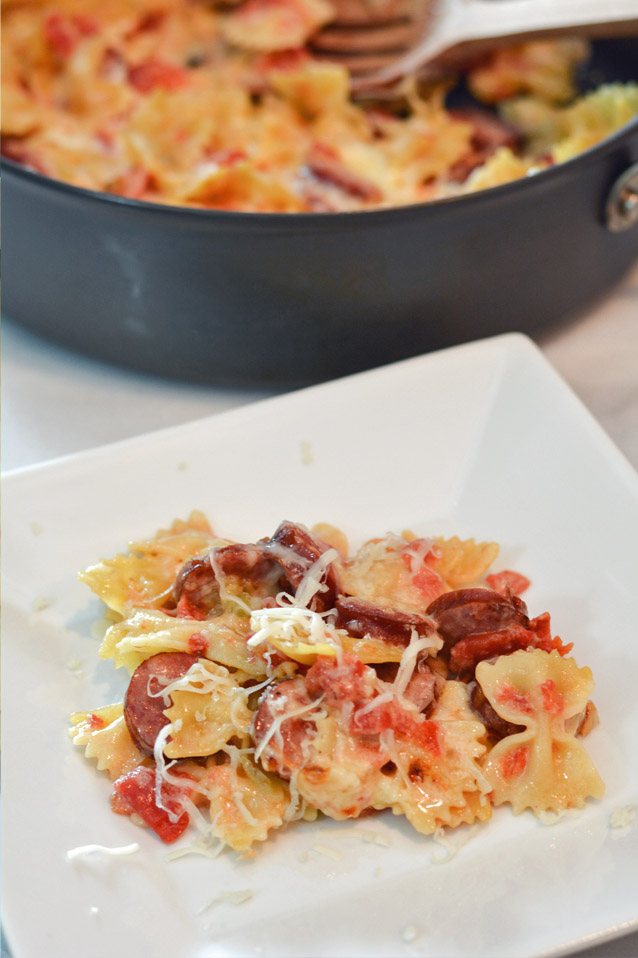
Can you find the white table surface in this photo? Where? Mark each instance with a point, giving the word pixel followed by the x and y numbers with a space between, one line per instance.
pixel 55 403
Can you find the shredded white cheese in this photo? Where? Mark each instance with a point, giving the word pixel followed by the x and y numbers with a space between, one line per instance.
pixel 41 602
pixel 417 552
pixel 206 845
pixel 450 845
pixel 327 851
pixel 312 580
pixel 280 719
pixel 162 771
pixel 292 625
pixel 226 597
pixel 375 703
pixel 410 655
pixel 83 850
pixel 623 816
pixel 306 452
pixel 75 667
pixel 230 897
pixel 365 835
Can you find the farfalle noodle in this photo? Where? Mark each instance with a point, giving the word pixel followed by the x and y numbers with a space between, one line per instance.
pixel 545 768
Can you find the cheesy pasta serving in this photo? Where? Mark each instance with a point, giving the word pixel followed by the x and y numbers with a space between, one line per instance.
pixel 225 106
pixel 288 678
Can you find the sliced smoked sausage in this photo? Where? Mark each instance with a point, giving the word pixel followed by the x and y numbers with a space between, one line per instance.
pixel 143 705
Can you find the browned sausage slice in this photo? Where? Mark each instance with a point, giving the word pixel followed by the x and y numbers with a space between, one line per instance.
pixel 144 712
pixel 360 617
pixel 490 718
pixel 283 752
pixel 248 561
pixel 292 550
pixel 296 549
pixel 196 590
pixel 468 611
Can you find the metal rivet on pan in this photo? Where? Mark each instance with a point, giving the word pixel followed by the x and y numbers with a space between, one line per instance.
pixel 621 210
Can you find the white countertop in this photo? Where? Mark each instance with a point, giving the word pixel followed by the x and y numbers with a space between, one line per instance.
pixel 55 403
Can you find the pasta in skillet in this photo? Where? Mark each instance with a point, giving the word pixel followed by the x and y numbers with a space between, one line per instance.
pixel 289 678
pixel 226 106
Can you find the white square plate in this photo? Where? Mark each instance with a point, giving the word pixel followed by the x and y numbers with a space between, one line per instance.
pixel 481 440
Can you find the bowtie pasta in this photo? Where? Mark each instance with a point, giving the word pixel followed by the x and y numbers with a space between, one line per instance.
pixel 226 106
pixel 292 677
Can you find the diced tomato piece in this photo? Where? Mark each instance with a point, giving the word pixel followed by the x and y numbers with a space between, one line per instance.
pixel 226 157
pixel 120 806
pixel 136 790
pixel 94 721
pixel 186 609
pixel 420 557
pixel 560 647
pixel 428 582
pixel 148 22
pixel 514 762
pixel 64 33
pixel 59 35
pixel 282 60
pixel 389 716
pixel 197 643
pixel 133 184
pixel 14 148
pixel 85 26
pixel 508 581
pixel 343 680
pixel 553 700
pixel 154 74
pixel 428 735
pixel 542 628
pixel 510 696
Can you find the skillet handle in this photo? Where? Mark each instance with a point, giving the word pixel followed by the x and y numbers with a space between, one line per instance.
pixel 621 208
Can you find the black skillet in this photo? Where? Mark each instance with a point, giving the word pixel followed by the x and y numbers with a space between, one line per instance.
pixel 286 299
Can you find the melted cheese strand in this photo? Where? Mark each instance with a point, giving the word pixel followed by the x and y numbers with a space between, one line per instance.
pixel 163 693
pixel 280 719
pixel 246 814
pixel 197 673
pixel 83 850
pixel 162 773
pixel 408 661
pixel 312 582
pixel 378 700
pixel 417 552
pixel 292 624
pixel 234 897
pixel 226 597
